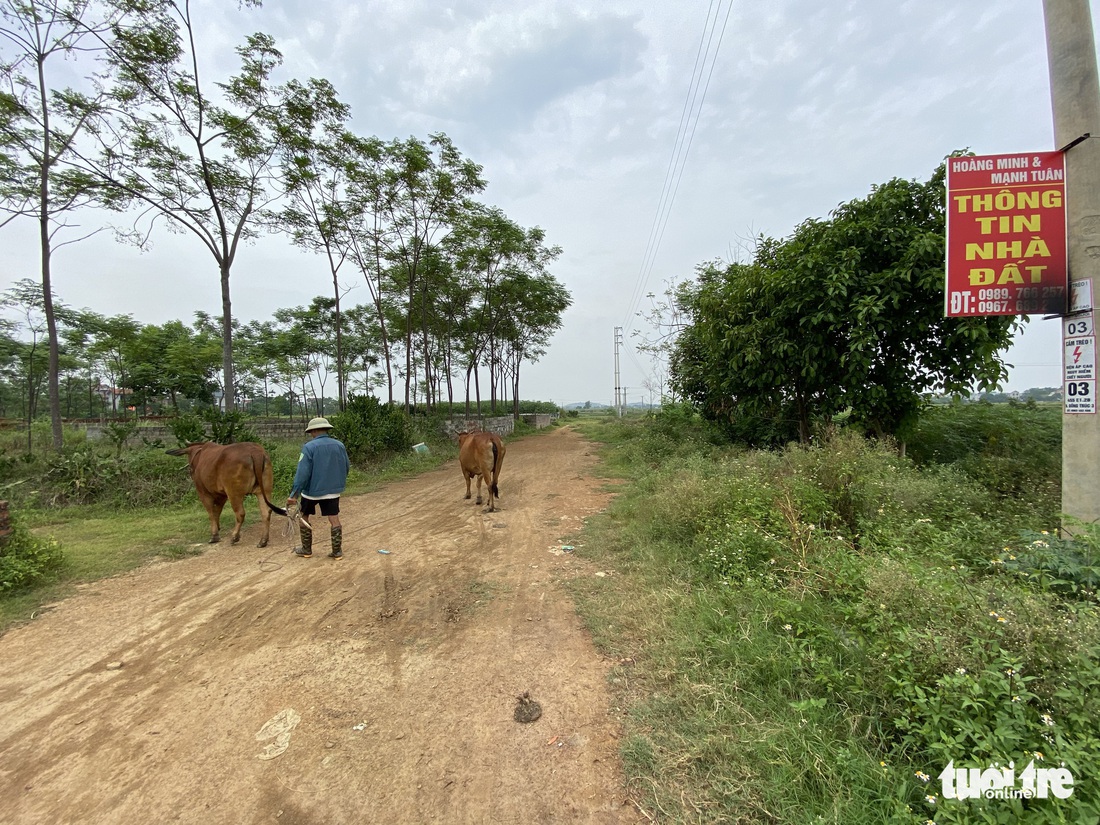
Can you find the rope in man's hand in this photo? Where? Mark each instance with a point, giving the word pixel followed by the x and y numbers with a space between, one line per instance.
pixel 293 514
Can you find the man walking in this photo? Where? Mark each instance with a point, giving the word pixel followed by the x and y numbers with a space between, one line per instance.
pixel 321 476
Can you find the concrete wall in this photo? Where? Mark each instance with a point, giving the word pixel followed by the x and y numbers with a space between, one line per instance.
pixel 280 430
pixel 295 430
pixel 538 420
pixel 501 425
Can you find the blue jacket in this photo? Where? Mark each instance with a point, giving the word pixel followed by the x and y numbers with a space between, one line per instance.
pixel 322 468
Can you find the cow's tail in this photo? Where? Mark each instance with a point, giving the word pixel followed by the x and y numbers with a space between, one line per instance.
pixel 259 471
pixel 498 459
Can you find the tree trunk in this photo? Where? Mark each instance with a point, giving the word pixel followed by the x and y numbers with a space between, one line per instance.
pixel 469 370
pixel 44 238
pixel 229 396
pixel 803 420
pixel 410 375
pixel 477 392
pixel 51 327
pixel 340 388
pixel 515 391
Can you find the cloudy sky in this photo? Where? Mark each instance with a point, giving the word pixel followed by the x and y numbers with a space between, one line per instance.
pixel 759 114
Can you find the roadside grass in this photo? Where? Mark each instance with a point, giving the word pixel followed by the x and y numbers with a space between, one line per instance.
pixel 812 635
pixel 98 543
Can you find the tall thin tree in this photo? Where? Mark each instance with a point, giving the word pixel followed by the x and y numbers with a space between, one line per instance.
pixel 315 161
pixel 426 187
pixel 40 120
pixel 198 154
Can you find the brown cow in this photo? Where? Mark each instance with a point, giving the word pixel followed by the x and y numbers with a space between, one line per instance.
pixel 481 455
pixel 231 471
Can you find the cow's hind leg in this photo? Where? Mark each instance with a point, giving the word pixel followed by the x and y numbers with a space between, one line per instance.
pixel 238 511
pixel 489 495
pixel 467 476
pixel 265 518
pixel 214 505
pixel 478 499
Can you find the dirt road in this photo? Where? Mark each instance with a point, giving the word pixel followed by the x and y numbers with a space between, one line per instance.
pixel 249 686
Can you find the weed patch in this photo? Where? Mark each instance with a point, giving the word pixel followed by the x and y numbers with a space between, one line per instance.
pixel 818 632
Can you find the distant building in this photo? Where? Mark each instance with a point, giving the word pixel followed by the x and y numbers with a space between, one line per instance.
pixel 112 396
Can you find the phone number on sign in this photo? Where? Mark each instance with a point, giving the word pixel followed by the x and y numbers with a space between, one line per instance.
pixel 967 303
pixel 999 301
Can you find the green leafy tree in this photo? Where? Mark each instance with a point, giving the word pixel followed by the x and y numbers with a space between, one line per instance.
pixel 733 358
pixel 846 314
pixel 307 347
pixel 9 381
pixel 496 260
pixel 171 361
pixel 318 159
pixel 485 245
pixel 435 296
pixel 77 338
pixel 452 307
pixel 29 358
pixel 364 232
pixel 424 190
pixel 40 121
pixel 256 368
pixel 535 306
pixel 197 154
pixel 364 349
pixel 105 341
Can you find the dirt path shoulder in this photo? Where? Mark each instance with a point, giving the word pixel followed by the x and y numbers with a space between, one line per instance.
pixel 256 687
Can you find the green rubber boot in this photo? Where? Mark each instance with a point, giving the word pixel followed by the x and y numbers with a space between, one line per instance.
pixel 306 550
pixel 337 543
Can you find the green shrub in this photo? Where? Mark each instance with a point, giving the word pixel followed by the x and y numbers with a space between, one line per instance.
pixel 148 478
pixel 911 613
pixel 1013 450
pixel 284 463
pixel 991 714
pixel 79 476
pixel 211 424
pixel 26 560
pixel 369 428
pixel 228 427
pixel 119 432
pixel 188 428
pixel 140 478
pixel 739 552
pixel 1068 566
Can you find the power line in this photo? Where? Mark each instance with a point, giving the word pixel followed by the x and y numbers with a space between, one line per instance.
pixel 689 122
pixel 646 375
pixel 669 172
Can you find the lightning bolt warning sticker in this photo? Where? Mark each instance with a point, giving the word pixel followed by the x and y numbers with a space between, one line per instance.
pixel 1079 373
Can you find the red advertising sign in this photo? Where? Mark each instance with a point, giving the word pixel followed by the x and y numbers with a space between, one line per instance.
pixel 1006 235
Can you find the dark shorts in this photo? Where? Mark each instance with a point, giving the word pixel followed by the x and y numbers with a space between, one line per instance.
pixel 329 506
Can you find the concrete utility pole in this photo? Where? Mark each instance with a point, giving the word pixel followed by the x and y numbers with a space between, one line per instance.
pixel 1075 99
pixel 618 388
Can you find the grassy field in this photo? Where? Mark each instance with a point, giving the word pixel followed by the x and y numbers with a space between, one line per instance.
pixel 813 635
